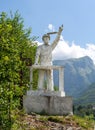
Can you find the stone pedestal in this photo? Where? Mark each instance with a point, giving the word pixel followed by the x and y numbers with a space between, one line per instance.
pixel 46 101
pixel 45 104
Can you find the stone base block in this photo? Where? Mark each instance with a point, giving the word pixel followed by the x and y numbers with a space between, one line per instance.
pixel 46 93
pixel 51 105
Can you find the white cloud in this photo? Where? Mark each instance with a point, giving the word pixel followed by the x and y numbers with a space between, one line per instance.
pixel 51 27
pixel 65 51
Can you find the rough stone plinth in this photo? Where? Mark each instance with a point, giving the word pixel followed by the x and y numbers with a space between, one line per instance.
pixel 51 105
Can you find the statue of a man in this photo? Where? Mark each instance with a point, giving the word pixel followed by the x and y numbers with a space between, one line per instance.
pixel 44 58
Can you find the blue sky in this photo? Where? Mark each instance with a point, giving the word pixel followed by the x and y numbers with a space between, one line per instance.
pixel 77 16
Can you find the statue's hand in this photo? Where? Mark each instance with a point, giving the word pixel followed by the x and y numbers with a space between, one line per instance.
pixel 60 29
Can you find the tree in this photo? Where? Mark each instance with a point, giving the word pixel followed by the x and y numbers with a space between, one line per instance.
pixel 15 43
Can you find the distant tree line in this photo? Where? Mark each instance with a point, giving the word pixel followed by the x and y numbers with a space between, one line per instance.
pixel 85 110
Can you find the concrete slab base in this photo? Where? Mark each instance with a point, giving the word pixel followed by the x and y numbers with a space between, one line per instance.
pixel 51 105
pixel 46 93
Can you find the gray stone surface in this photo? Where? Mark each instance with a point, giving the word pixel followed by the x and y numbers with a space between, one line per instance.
pixel 52 105
pixel 46 93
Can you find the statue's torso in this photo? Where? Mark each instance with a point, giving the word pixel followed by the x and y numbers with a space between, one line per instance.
pixel 45 55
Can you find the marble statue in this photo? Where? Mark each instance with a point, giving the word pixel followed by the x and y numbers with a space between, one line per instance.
pixel 44 58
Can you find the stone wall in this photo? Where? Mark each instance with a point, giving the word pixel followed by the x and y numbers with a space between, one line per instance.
pixel 51 105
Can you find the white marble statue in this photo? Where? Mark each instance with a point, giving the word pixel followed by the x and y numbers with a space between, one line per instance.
pixel 44 57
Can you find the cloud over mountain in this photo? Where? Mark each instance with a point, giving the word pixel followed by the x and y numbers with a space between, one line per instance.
pixel 66 51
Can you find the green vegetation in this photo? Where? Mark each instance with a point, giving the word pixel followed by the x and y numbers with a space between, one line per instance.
pixel 87 97
pixel 15 47
pixel 83 110
pixel 38 122
pixel 85 105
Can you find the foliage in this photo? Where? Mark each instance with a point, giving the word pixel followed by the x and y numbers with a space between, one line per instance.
pixel 15 44
pixel 56 88
pixel 86 122
pixel 84 110
pixel 87 96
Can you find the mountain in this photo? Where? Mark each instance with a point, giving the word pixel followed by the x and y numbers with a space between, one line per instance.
pixel 78 75
pixel 87 96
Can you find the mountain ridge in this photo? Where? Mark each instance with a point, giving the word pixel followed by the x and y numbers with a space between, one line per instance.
pixel 79 73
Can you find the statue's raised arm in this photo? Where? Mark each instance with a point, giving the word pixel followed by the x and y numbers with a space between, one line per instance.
pixel 44 51
pixel 55 42
pixel 44 58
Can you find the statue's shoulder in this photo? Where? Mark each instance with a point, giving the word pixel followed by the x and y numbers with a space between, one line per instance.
pixel 40 46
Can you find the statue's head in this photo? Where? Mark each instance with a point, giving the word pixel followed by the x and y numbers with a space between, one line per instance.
pixel 46 38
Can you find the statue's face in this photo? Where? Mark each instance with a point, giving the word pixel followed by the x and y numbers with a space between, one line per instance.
pixel 46 40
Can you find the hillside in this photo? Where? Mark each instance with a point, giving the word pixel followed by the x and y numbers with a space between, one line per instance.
pixel 78 75
pixel 43 122
pixel 87 96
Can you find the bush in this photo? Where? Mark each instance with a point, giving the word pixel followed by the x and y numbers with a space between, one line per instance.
pixel 15 43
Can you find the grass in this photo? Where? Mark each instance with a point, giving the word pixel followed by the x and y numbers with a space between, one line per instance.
pixel 85 122
pixel 44 122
